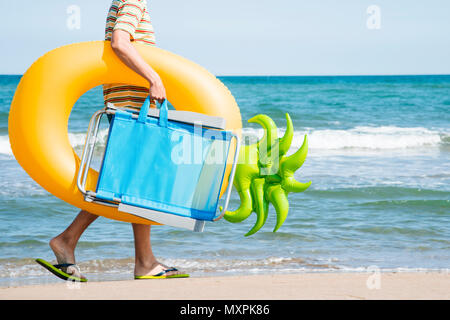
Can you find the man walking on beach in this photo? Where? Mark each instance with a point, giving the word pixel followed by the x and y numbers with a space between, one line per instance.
pixel 128 21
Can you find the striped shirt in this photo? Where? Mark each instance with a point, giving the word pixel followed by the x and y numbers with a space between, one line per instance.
pixel 130 16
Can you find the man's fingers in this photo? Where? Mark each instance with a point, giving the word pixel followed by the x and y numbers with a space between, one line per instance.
pixel 158 94
pixel 160 100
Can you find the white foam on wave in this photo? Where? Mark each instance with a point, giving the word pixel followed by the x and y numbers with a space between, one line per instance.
pixel 362 137
pixel 5 146
pixel 16 272
pixel 77 140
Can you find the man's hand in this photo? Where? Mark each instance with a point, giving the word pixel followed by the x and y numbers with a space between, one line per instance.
pixel 121 45
pixel 157 91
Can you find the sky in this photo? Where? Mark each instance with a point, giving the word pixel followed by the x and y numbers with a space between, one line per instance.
pixel 251 37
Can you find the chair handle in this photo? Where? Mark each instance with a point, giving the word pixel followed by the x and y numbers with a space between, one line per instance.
pixel 163 112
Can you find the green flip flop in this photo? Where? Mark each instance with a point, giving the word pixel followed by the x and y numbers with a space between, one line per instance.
pixel 163 275
pixel 56 270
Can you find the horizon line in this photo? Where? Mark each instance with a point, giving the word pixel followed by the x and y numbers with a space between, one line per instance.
pixel 306 75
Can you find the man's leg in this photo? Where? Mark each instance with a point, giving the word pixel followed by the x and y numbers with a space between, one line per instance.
pixel 63 245
pixel 145 261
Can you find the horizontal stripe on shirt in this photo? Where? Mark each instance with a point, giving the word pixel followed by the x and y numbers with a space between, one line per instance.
pixel 131 16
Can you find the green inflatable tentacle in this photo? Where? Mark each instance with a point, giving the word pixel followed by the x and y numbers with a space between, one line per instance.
pixel 270 130
pixel 288 167
pixel 245 209
pixel 268 142
pixel 260 205
pixel 278 197
pixel 286 141
pixel 246 171
pixel 296 160
pixel 292 185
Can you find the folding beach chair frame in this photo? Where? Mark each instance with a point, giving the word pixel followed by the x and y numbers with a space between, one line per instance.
pixel 192 118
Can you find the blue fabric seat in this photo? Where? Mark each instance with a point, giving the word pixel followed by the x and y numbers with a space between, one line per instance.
pixel 158 164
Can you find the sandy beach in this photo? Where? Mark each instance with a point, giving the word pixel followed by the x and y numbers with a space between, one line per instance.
pixel 323 286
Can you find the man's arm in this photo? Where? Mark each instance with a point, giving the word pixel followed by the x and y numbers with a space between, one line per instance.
pixel 121 45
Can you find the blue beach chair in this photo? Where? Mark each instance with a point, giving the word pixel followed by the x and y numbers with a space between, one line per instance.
pixel 162 165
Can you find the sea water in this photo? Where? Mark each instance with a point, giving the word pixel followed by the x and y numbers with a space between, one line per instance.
pixel 379 162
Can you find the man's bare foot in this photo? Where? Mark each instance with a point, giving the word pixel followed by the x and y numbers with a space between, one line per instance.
pixel 65 253
pixel 154 269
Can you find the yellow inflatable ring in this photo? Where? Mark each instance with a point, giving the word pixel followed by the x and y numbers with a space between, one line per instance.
pixel 46 94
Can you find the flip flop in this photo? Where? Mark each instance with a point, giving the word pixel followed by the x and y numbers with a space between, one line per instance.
pixel 56 270
pixel 162 275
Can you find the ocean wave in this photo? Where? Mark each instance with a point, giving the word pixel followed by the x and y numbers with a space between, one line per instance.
pixel 361 137
pixel 5 146
pixel 438 206
pixel 386 230
pixel 77 141
pixel 376 192
pixel 15 272
pixel 95 269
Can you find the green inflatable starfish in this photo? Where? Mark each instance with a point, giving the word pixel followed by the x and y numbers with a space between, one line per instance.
pixel 265 174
